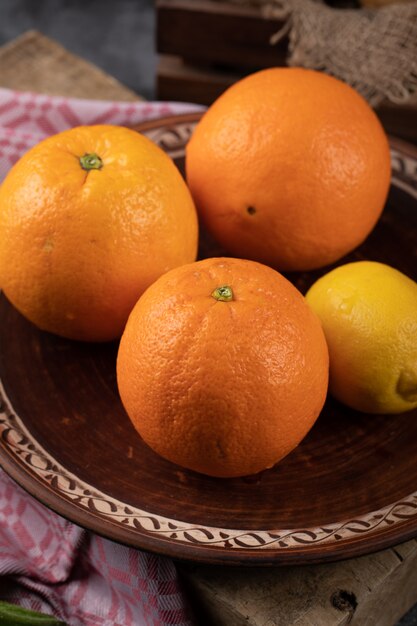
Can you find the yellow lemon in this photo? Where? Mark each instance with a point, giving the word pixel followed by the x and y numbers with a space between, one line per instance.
pixel 369 315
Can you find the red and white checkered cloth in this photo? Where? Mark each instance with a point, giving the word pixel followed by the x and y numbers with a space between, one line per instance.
pixel 46 563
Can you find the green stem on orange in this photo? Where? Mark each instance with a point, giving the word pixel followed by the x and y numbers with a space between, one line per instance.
pixel 223 293
pixel 91 162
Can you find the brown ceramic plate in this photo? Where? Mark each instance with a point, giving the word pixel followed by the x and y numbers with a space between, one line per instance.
pixel 350 487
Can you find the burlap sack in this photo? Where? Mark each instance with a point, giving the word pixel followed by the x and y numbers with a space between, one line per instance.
pixel 374 50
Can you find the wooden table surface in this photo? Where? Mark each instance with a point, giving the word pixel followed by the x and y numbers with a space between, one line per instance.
pixel 373 590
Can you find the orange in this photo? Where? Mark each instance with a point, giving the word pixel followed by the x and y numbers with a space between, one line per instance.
pixel 89 218
pixel 223 367
pixel 289 167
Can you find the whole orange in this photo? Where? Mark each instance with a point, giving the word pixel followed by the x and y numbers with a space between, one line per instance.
pixel 289 167
pixel 89 218
pixel 223 367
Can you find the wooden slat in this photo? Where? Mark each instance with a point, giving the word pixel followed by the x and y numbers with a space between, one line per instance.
pixel 400 120
pixel 218 32
pixel 181 82
pixel 374 590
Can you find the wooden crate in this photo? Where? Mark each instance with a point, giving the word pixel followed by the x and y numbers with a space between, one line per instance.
pixel 205 46
pixel 190 83
pixel 373 590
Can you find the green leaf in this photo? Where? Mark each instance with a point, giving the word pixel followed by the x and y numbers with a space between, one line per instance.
pixel 13 615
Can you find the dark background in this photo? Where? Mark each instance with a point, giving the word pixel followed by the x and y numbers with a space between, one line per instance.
pixel 116 35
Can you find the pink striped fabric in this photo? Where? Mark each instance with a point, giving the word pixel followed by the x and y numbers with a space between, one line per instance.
pixel 26 118
pixel 46 563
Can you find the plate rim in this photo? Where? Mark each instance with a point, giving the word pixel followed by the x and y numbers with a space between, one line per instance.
pixel 207 553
